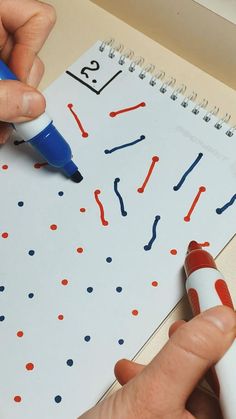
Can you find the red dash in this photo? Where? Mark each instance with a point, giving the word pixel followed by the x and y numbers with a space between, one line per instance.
pixel 132 108
pixel 79 249
pixel 83 132
pixel 155 159
pixel 188 216
pixel 39 165
pixel 204 244
pixel 82 209
pixel 102 215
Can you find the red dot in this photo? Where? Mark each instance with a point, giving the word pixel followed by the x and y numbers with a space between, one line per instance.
pixel 60 317
pixel 5 167
pixel 64 282
pixel 37 165
pixel 173 251
pixel 155 159
pixel 154 283
pixel 82 209
pixel 112 114
pixel 29 366
pixel 5 235
pixel 53 227
pixel 80 249
pixel 17 399
pixel 135 312
pixel 20 333
pixel 85 135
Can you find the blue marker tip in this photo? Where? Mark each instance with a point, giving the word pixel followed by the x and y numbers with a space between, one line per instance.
pixel 41 134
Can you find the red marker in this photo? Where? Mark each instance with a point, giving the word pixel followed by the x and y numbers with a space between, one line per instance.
pixel 207 288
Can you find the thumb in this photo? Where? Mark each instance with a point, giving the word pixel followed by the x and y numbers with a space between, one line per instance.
pixel 19 102
pixel 173 374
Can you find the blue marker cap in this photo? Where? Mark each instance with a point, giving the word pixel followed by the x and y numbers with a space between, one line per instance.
pixel 44 137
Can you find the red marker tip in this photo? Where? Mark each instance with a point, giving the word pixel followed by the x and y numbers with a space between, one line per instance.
pixel 197 258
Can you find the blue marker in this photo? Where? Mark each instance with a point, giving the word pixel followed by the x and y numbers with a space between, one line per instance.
pixel 44 137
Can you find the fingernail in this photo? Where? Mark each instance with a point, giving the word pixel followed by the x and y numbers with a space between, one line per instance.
pixel 32 101
pixel 222 317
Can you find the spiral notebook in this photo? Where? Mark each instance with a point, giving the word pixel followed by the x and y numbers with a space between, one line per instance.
pixel 90 270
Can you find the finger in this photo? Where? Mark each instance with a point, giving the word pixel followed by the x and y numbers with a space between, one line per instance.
pixel 5 132
pixel 203 406
pixel 36 72
pixel 30 22
pixel 192 349
pixel 175 326
pixel 125 370
pixel 19 102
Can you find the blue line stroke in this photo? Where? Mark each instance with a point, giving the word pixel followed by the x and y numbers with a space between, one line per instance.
pixel 154 234
pixel 178 186
pixel 122 209
pixel 228 204
pixel 142 137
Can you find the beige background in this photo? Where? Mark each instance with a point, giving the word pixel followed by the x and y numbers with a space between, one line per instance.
pixel 80 23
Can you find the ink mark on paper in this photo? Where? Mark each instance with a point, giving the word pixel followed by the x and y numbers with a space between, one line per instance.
pixel 155 159
pixel 122 209
pixel 101 208
pixel 227 205
pixel 82 130
pixel 202 189
pixel 119 147
pixel 154 233
pixel 131 108
pixel 188 171
pixel 88 79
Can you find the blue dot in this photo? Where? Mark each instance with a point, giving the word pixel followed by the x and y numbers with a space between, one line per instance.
pixel 70 362
pixel 58 399
pixel 60 193
pixel 31 252
pixel 118 289
pixel 2 288
pixel 109 259
pixel 121 341
pixel 90 289
pixel 2 318
pixel 31 295
pixel 20 204
pixel 87 338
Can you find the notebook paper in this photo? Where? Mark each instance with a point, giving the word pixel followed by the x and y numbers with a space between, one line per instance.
pixel 90 270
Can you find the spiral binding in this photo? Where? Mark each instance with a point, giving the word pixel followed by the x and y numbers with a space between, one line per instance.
pixel 147 71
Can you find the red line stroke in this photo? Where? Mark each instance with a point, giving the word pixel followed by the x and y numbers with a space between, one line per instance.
pixel 200 191
pixel 101 208
pixel 83 132
pixel 155 159
pixel 131 108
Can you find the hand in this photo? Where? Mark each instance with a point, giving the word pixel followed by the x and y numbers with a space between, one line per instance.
pixel 166 388
pixel 24 27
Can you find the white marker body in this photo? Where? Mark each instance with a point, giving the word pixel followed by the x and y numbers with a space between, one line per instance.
pixel 28 130
pixel 204 281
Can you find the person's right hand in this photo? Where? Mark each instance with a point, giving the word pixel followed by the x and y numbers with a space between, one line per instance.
pixel 24 27
pixel 167 387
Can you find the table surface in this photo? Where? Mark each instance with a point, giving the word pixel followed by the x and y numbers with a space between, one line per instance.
pixel 82 23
